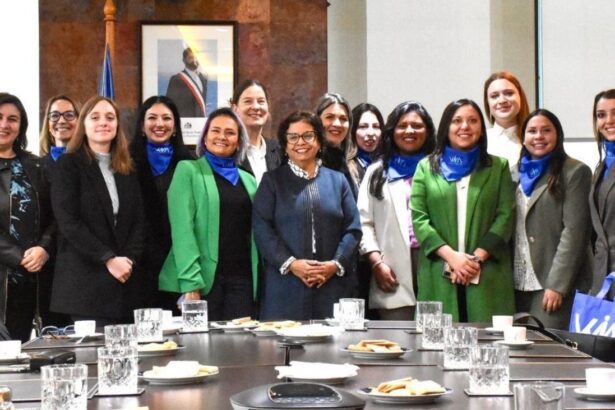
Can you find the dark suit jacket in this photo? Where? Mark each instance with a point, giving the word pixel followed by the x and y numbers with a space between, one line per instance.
pixel 183 97
pixel 273 156
pixel 88 237
pixel 602 214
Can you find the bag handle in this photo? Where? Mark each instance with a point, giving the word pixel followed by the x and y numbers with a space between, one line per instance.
pixel 606 285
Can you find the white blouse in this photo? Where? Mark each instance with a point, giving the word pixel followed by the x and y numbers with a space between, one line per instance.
pixel 503 142
pixel 524 275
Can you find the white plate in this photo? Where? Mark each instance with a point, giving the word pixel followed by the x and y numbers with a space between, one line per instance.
pixel 20 358
pixel 308 333
pixel 230 328
pixel 515 345
pixel 388 399
pixel 170 381
pixel 172 329
pixel 595 396
pixel 91 336
pixel 376 355
pixel 494 331
pixel 159 352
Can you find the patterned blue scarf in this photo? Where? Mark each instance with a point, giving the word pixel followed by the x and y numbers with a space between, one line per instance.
pixel 403 166
pixel 456 164
pixel 225 167
pixel 56 152
pixel 159 157
pixel 530 172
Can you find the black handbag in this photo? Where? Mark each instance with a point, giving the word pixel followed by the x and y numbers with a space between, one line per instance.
pixel 600 347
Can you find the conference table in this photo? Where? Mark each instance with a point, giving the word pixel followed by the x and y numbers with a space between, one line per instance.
pixel 246 361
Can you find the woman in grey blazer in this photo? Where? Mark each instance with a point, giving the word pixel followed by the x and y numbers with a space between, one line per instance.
pixel 552 239
pixel 602 194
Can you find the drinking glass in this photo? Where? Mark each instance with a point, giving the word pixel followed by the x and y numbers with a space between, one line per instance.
pixel 117 370
pixel 457 343
pixel 6 398
pixel 539 396
pixel 433 330
pixel 489 372
pixel 149 325
pixel 352 313
pixel 121 336
pixel 64 386
pixel 426 307
pixel 194 315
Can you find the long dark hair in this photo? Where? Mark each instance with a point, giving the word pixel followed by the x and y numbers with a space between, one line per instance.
pixel 607 95
pixel 357 113
pixel 139 140
pixel 387 145
pixel 442 136
pixel 21 142
pixel 558 155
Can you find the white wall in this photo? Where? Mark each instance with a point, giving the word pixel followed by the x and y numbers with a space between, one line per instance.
pixel 19 67
pixel 436 51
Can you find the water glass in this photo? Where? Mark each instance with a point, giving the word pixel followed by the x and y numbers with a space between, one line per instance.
pixel 352 313
pixel 457 343
pixel 64 386
pixel 194 315
pixel 121 336
pixel 539 396
pixel 117 370
pixel 426 307
pixel 433 330
pixel 489 371
pixel 149 325
pixel 6 398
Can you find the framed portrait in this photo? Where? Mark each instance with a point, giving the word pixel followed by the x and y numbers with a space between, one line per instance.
pixel 194 64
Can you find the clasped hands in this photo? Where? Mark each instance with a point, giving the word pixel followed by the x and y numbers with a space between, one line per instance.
pixel 313 273
pixel 120 267
pixel 34 259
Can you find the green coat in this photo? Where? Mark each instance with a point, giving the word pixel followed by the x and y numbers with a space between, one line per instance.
pixel 194 213
pixel 489 225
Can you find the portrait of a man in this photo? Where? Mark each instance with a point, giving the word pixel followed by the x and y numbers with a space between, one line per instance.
pixel 188 88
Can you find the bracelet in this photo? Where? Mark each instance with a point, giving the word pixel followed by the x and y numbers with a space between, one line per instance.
pixel 375 265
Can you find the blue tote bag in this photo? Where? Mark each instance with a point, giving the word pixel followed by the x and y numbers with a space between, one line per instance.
pixel 594 315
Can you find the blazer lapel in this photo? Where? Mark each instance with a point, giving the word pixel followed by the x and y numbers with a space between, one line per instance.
pixel 98 182
pixel 449 192
pixel 539 189
pixel 609 181
pixel 213 207
pixel 398 191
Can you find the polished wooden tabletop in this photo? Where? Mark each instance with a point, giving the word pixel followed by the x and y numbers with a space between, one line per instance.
pixel 246 361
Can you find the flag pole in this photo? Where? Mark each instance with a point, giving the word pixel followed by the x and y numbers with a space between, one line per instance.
pixel 110 11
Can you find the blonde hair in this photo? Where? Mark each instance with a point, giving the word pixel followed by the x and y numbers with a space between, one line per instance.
pixel 120 156
pixel 46 140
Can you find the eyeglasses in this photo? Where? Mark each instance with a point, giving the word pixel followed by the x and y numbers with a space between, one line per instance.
pixel 68 115
pixel 55 332
pixel 308 137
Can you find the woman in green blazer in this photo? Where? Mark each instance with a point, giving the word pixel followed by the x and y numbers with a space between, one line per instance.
pixel 213 255
pixel 462 214
pixel 552 236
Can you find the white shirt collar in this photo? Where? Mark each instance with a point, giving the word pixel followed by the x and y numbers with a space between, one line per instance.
pixel 510 132
pixel 300 172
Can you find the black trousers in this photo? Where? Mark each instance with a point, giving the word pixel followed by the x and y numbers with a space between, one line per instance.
pixel 230 298
pixel 21 309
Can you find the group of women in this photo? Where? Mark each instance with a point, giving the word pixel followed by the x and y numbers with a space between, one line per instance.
pixel 341 204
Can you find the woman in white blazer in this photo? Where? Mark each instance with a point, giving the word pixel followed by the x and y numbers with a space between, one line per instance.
pixel 384 196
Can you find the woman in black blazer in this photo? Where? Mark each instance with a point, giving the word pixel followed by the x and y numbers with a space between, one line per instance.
pixel 97 204
pixel 156 148
pixel 25 221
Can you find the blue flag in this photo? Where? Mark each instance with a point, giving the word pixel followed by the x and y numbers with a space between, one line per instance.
pixel 105 84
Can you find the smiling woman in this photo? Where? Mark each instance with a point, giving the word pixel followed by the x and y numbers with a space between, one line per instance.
pixel 462 215
pixel 99 247
pixel 156 148
pixel 213 256
pixel 305 223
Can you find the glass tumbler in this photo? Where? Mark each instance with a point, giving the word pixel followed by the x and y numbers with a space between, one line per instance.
pixel 64 386
pixel 426 307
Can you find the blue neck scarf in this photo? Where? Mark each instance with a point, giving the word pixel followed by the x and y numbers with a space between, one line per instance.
pixel 365 157
pixel 159 157
pixel 225 167
pixel 456 164
pixel 403 166
pixel 609 160
pixel 56 152
pixel 530 172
